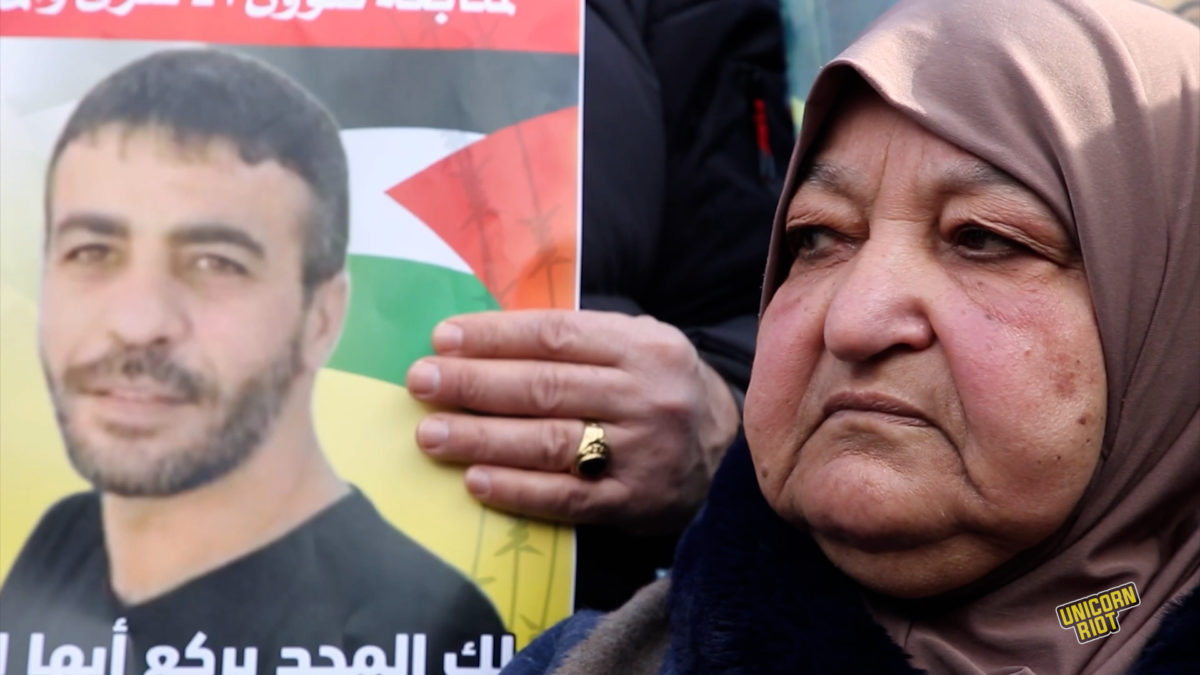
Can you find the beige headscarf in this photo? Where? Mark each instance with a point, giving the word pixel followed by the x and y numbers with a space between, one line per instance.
pixel 1095 105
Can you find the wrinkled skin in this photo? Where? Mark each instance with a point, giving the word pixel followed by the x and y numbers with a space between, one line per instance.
pixel 928 394
pixel 667 415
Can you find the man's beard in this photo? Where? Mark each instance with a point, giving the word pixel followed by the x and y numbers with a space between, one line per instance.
pixel 245 419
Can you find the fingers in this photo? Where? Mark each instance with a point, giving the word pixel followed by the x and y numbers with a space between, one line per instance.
pixel 551 496
pixel 527 388
pixel 523 466
pixel 534 444
pixel 553 335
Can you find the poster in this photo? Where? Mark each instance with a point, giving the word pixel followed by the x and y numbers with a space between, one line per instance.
pixel 460 123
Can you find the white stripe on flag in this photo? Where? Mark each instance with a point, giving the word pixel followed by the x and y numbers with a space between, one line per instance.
pixel 379 159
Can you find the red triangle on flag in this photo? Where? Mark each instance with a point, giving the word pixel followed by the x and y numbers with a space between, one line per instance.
pixel 508 205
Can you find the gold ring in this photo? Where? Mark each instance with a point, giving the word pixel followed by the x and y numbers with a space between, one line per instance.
pixel 591 459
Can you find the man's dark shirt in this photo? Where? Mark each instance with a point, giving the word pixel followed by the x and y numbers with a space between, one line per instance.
pixel 346 578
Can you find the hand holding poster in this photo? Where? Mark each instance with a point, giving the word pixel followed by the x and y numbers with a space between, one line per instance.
pixel 184 316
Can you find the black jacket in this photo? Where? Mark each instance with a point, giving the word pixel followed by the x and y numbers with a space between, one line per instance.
pixel 686 137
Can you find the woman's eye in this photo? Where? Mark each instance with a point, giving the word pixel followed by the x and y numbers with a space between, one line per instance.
pixel 979 241
pixel 810 241
pixel 215 264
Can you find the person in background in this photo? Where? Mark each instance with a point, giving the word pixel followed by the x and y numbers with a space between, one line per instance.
pixel 685 138
pixel 973 424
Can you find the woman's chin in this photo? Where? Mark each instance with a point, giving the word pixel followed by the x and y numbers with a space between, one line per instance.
pixel 914 568
pixel 871 538
pixel 870 506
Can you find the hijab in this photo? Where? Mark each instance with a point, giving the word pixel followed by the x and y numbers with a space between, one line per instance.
pixel 1095 106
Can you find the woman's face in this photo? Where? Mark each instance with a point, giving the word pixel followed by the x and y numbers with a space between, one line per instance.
pixel 929 392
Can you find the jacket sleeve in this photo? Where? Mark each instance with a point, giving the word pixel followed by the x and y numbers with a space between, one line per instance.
pixel 686 139
pixel 686 136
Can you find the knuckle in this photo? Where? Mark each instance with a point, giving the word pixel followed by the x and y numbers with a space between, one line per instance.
pixel 546 391
pixel 679 354
pixel 557 439
pixel 557 335
pixel 646 322
pixel 668 351
pixel 672 405
pixel 473 442
pixel 481 338
pixel 576 503
pixel 468 389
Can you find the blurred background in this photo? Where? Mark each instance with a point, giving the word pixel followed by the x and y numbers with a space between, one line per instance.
pixel 816 30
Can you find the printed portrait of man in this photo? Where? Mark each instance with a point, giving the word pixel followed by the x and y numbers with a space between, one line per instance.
pixel 193 285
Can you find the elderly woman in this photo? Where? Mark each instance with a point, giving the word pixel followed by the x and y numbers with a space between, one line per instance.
pixel 973 424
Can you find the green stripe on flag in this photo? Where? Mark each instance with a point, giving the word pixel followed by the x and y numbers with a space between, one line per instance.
pixel 394 305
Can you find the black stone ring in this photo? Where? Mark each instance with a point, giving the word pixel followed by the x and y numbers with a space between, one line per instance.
pixel 591 459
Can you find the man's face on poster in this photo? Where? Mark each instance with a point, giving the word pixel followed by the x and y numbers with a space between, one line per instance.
pixel 172 313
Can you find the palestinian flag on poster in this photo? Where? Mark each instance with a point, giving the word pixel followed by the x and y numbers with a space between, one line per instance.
pixel 461 124
pixel 464 187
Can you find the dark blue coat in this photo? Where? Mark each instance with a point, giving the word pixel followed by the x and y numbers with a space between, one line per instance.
pixel 751 594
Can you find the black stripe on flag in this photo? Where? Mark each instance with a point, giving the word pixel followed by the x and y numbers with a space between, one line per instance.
pixel 472 90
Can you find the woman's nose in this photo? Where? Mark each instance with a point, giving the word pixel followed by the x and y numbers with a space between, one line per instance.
pixel 881 301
